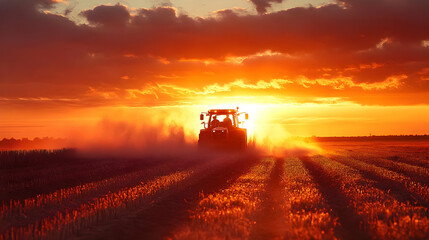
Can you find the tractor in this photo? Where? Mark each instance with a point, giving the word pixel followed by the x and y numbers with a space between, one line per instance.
pixel 223 131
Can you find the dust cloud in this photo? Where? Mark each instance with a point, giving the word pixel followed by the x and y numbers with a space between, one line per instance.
pixel 275 140
pixel 167 133
pixel 136 132
pixel 127 139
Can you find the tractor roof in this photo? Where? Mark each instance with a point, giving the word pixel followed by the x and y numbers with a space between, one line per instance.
pixel 222 111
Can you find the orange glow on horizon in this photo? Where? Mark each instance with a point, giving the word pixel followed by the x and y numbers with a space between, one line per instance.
pixel 293 81
pixel 293 119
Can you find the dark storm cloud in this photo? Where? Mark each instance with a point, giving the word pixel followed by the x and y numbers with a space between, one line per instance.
pixel 115 16
pixel 48 55
pixel 159 31
pixel 262 5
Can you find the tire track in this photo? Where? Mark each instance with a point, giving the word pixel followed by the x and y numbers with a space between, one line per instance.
pixel 270 220
pixel 350 222
pixel 69 198
pixel 393 187
pixel 169 210
pixel 415 173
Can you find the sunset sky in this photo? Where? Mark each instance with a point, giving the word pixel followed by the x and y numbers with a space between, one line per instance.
pixel 324 68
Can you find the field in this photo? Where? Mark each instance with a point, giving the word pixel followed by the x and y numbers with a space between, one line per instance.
pixel 353 190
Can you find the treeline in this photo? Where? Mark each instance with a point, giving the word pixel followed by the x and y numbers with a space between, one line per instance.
pixel 424 137
pixel 36 143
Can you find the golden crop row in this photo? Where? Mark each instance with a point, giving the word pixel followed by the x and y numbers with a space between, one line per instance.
pixel 418 190
pixel 229 213
pixel 385 217
pixel 99 209
pixel 67 222
pixel 17 208
pixel 307 216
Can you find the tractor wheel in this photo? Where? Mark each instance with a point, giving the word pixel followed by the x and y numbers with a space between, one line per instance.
pixel 239 142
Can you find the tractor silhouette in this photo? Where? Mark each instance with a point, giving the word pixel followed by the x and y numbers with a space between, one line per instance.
pixel 222 131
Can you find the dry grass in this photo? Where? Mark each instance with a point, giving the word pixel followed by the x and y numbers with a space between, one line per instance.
pixel 230 213
pixel 307 214
pixel 353 191
pixel 384 216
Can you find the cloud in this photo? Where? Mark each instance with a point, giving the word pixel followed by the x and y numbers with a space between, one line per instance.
pixel 109 16
pixel 262 5
pixel 210 89
pixel 345 49
pixel 392 82
pixel 274 84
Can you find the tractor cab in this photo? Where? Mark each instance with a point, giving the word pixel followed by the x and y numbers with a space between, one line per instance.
pixel 223 130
